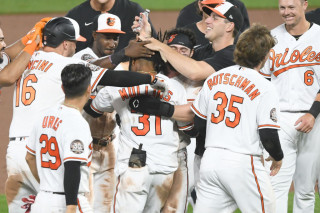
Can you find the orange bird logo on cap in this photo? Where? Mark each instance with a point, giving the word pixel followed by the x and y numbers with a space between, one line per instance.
pixel 172 37
pixel 111 21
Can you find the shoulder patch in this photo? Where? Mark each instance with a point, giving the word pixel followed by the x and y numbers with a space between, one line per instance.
pixel 87 57
pixel 77 147
pixel 273 115
pixel 93 67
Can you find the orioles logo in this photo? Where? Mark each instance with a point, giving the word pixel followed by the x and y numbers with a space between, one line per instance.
pixel 111 21
pixel 171 38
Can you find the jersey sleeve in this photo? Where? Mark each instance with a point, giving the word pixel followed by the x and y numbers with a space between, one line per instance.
pixel 6 60
pixel 31 144
pixel 77 143
pixel 268 110
pixel 96 77
pixel 102 102
pixel 200 104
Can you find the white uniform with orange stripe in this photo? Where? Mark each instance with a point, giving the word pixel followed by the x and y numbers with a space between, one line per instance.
pixel 143 189
pixel 38 89
pixel 103 160
pixel 294 68
pixel 236 102
pixel 60 135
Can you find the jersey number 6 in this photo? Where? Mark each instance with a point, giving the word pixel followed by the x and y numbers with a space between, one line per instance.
pixel 221 108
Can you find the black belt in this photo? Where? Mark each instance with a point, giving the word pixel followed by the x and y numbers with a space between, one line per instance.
pixel 104 141
pixel 15 138
pixel 59 193
pixel 303 111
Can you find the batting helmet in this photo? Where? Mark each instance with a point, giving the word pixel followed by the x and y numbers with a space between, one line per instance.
pixel 60 29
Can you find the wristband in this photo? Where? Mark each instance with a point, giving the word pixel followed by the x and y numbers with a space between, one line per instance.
pixel 118 57
pixel 30 48
pixel 315 109
pixel 24 40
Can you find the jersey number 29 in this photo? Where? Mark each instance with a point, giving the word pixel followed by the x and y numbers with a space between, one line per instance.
pixel 51 147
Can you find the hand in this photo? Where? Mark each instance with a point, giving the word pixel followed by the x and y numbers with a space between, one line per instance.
pixel 275 166
pixel 144 30
pixel 71 209
pixel 28 202
pixel 36 30
pixel 154 44
pixel 160 84
pixel 137 49
pixel 305 122
pixel 150 105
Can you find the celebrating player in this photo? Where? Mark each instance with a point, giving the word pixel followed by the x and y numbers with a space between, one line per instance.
pixel 60 149
pixel 234 107
pixel 294 69
pixel 40 88
pixel 148 170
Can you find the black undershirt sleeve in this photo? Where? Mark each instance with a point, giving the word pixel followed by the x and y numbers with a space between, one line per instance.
pixel 87 108
pixel 71 181
pixel 200 125
pixel 124 79
pixel 270 141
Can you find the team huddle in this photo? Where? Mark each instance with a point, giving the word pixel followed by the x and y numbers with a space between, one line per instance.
pixel 213 113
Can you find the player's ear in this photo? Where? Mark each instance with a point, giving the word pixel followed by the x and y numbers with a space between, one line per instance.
pixel 62 88
pixel 94 35
pixel 191 54
pixel 230 27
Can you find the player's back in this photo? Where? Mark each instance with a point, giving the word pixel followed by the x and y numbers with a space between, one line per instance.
pixel 156 133
pixel 38 89
pixel 235 103
pixel 60 134
pixel 294 67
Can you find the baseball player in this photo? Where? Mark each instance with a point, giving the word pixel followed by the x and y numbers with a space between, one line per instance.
pixel 144 177
pixel 39 88
pixel 60 148
pixel 234 107
pixel 124 9
pixel 293 66
pixel 105 35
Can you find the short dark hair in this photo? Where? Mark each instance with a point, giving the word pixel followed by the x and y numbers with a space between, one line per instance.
pixel 75 80
pixel 253 46
pixel 185 31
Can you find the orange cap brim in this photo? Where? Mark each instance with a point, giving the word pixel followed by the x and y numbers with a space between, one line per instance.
pixel 110 31
pixel 80 38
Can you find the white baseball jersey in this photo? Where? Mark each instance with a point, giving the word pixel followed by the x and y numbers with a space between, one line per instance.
pixel 294 68
pixel 236 102
pixel 40 88
pixel 88 55
pixel 60 135
pixel 192 89
pixel 157 134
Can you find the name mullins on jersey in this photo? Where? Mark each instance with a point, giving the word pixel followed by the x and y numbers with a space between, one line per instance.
pixel 41 65
pixel 235 80
pixel 281 59
pixel 129 92
pixel 51 122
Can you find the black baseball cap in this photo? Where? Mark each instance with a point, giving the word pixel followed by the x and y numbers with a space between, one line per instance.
pixel 226 10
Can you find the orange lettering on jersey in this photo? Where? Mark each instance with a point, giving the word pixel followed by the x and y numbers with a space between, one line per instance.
pixel 123 94
pixel 56 124
pixel 48 67
pixel 238 82
pixel 244 84
pixel 306 55
pixel 51 121
pixel 168 97
pixel 210 83
pixel 43 65
pixel 131 91
pixel 248 90
pixel 33 64
pixel 220 78
pixel 38 64
pixel 226 78
pixel 254 94
pixel 231 80
pixel 30 65
pixel 44 123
